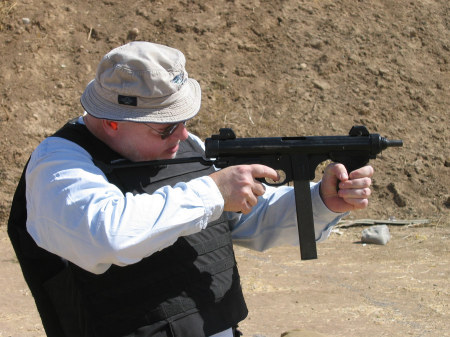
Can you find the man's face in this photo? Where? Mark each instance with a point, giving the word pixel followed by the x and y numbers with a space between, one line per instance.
pixel 142 141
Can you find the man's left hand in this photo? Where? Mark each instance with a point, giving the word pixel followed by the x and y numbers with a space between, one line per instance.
pixel 342 192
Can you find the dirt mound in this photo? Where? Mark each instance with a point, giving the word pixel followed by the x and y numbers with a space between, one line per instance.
pixel 267 68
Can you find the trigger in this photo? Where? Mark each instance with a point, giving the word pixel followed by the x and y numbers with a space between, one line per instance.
pixel 281 181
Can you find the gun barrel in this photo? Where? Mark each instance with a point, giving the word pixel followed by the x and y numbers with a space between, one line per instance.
pixel 385 143
pixel 394 143
pixel 287 145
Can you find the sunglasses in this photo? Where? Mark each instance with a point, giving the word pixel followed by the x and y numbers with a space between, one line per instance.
pixel 168 131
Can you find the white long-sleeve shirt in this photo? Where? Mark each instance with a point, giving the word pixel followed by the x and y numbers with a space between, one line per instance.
pixel 74 212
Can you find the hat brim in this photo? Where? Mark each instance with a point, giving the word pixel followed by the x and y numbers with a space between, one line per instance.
pixel 185 107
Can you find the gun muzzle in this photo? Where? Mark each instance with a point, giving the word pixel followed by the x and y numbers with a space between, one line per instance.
pixel 391 143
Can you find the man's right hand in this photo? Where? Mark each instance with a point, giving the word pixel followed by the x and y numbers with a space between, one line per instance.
pixel 239 187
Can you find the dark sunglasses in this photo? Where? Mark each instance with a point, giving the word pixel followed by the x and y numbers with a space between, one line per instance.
pixel 168 131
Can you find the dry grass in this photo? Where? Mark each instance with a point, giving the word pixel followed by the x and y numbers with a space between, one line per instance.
pixel 6 8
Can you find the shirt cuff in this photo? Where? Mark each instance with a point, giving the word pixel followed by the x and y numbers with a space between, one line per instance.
pixel 209 193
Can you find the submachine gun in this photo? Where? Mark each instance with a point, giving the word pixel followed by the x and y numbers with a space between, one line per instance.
pixel 296 157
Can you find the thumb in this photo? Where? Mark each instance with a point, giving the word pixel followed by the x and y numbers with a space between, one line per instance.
pixel 333 174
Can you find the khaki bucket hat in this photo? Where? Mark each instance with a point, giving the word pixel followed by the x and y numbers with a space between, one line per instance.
pixel 142 82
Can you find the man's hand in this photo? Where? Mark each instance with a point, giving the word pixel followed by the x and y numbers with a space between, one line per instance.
pixel 343 192
pixel 240 190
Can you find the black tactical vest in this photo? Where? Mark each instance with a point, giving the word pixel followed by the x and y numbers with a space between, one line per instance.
pixel 190 289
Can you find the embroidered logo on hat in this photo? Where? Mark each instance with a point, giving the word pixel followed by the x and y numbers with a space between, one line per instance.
pixel 127 100
pixel 179 79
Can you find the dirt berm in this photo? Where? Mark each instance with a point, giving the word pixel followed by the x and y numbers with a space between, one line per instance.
pixel 269 68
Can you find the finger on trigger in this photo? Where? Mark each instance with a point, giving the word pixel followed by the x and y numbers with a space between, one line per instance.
pixel 262 171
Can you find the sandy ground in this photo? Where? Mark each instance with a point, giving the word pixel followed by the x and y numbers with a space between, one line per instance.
pixel 352 289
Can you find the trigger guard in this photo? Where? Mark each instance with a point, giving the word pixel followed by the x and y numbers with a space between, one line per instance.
pixel 274 184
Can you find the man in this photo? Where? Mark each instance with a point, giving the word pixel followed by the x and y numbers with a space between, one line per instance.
pixel 147 251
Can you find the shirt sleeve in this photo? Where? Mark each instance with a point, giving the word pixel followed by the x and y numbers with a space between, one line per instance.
pixel 75 213
pixel 273 221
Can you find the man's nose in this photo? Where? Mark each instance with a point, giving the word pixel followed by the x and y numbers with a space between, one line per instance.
pixel 181 132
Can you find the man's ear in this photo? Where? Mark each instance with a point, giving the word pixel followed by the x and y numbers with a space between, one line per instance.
pixel 113 125
pixel 110 126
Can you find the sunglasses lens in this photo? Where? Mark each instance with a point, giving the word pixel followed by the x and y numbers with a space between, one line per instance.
pixel 167 131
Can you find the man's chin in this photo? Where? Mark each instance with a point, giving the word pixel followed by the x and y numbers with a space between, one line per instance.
pixel 167 156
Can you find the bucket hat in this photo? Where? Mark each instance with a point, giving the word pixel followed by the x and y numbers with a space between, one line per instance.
pixel 142 82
